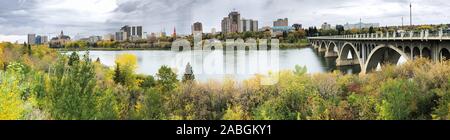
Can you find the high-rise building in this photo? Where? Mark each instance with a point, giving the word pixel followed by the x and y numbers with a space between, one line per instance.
pixel 249 25
pixel 38 39
pixel 44 39
pixel 121 36
pixel 132 32
pixel 126 32
pixel 197 28
pixel 254 26
pixel 281 26
pixel 232 23
pixel 225 25
pixel 281 22
pixel 139 31
pixel 31 39
pixel 326 26
pixel 235 24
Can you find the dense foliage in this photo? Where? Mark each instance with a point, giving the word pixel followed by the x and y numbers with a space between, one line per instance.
pixel 39 83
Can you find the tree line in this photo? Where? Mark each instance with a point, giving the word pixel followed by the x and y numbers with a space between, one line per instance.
pixel 40 83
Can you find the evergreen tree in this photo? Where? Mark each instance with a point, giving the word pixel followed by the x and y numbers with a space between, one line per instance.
pixel 371 30
pixel 29 49
pixel 189 74
pixel 71 93
pixel 73 58
pixel 167 79
pixel 118 78
pixel 24 48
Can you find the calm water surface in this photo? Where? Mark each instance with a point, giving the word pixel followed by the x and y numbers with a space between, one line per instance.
pixel 218 64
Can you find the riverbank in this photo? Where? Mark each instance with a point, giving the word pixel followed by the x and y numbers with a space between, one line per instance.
pixel 303 43
pixel 109 49
pixel 283 46
pixel 74 86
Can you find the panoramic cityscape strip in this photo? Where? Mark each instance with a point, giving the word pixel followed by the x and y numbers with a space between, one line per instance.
pixel 114 60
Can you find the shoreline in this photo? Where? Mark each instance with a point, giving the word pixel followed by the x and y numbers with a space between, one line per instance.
pixel 282 46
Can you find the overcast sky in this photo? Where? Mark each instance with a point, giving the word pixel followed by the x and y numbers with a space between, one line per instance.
pixel 80 18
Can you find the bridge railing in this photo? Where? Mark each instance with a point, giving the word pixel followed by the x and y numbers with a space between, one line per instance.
pixel 396 35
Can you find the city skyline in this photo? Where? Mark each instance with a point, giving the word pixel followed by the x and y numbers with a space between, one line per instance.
pixel 86 17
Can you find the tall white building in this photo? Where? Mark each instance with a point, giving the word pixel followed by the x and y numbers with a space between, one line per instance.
pixel 249 25
pixel 197 27
pixel 232 23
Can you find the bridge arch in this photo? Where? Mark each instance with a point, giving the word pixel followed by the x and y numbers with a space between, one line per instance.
pixel 343 56
pixel 332 50
pixel 426 53
pixel 444 54
pixel 323 47
pixel 383 54
pixel 416 53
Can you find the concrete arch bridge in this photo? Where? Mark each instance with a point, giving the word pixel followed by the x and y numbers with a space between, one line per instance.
pixel 372 51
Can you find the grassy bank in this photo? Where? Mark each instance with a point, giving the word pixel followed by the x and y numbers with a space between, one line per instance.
pixel 109 49
pixel 300 44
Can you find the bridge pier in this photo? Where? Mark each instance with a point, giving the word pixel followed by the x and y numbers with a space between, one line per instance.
pixel 331 54
pixel 369 52
pixel 321 49
pixel 347 62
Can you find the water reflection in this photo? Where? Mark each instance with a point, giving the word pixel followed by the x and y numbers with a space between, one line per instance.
pixel 329 64
pixel 220 64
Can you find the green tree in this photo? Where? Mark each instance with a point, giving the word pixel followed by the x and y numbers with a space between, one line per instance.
pixel 234 113
pixel 151 107
pixel 70 90
pixel 189 74
pixel 371 30
pixel 107 105
pixel 29 50
pixel 12 107
pixel 167 79
pixel 126 65
pixel 73 58
pixel 147 81
pixel 397 100
pixel 118 77
pixel 292 101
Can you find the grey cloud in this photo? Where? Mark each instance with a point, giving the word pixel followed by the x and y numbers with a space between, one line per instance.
pixel 19 17
pixel 156 15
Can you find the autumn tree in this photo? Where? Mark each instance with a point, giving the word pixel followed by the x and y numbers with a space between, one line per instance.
pixel 70 90
pixel 126 64
pixel 166 79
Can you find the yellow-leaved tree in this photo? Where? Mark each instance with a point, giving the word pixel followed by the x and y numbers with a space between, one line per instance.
pixel 11 104
pixel 1 56
pixel 126 65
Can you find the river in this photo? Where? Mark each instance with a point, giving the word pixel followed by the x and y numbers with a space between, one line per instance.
pixel 218 64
